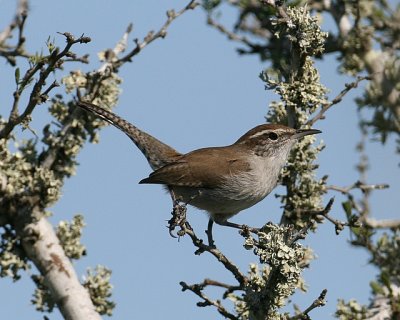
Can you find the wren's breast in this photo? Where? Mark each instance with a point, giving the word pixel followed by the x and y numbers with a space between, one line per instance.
pixel 238 192
pixel 255 184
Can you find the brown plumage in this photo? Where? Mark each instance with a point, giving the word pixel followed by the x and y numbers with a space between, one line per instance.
pixel 203 168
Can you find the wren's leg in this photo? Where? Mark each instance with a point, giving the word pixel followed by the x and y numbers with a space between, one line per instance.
pixel 209 233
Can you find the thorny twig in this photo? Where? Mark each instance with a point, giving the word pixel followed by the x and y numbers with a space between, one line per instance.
pixel 197 289
pixel 301 234
pixel 231 35
pixel 151 36
pixel 339 225
pixel 202 247
pixel 319 302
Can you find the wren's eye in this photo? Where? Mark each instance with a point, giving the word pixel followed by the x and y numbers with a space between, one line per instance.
pixel 272 136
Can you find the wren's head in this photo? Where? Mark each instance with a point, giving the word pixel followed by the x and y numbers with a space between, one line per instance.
pixel 271 140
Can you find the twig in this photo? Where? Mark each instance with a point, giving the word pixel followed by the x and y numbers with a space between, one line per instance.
pixel 197 290
pixel 336 100
pixel 301 234
pixel 358 185
pixel 111 55
pixel 10 52
pixel 319 302
pixel 231 35
pixel 151 36
pixel 339 225
pixel 229 288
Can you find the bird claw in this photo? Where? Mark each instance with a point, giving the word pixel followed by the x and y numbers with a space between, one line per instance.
pixel 178 220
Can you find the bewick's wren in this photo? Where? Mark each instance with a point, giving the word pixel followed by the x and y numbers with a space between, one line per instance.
pixel 221 180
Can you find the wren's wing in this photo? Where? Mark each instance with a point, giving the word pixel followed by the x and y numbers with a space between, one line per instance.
pixel 203 168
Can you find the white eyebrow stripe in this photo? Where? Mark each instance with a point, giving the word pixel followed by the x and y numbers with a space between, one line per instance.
pixel 265 131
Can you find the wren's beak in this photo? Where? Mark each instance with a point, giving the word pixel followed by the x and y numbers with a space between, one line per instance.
pixel 304 132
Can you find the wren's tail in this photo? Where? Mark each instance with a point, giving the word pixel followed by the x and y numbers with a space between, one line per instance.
pixel 158 154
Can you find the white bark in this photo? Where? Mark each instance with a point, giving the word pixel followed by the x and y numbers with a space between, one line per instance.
pixel 43 248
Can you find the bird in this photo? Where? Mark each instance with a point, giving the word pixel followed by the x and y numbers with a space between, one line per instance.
pixel 222 181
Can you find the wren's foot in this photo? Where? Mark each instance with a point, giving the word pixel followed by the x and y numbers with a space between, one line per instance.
pixel 178 216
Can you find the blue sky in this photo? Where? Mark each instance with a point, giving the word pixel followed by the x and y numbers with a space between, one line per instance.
pixel 190 90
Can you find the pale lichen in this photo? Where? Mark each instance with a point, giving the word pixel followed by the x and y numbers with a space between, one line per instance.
pixel 282 261
pixel 351 310
pixel 12 257
pixel 302 30
pixel 69 235
pixel 97 282
pixel 24 178
pixel 42 298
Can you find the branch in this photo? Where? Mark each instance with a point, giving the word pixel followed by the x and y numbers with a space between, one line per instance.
pixel 43 248
pixel 151 36
pixel 36 97
pixel 348 86
pixel 381 224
